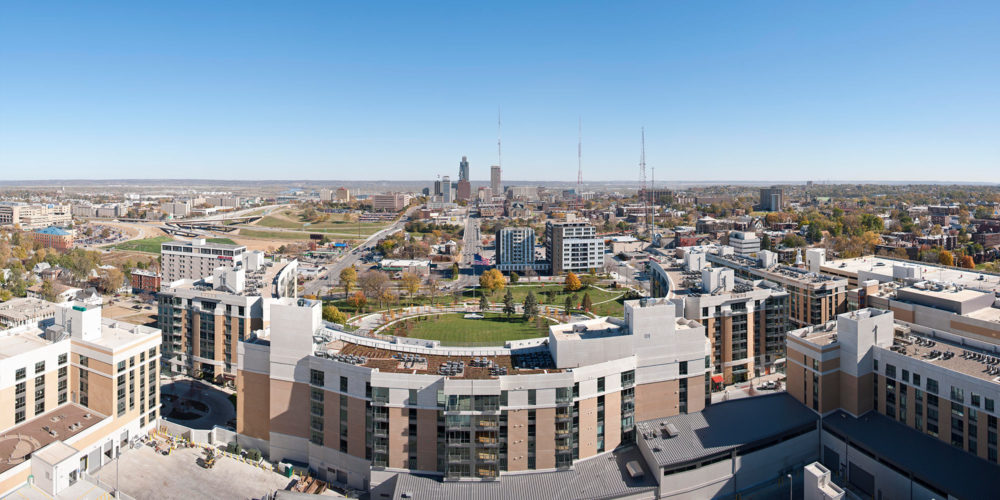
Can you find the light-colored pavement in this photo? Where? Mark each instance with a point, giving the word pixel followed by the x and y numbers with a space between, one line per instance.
pixel 144 474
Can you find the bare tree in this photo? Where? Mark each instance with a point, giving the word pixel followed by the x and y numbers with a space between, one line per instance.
pixel 374 285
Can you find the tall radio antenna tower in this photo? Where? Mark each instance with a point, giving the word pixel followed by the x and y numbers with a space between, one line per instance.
pixel 579 156
pixel 642 178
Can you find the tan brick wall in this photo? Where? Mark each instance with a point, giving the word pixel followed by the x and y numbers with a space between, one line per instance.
pixel 517 440
pixel 656 400
pixel 253 404
pixel 794 374
pixel 829 392
pixel 427 439
pixel 612 420
pixel 399 422
pixel 290 408
pixel 331 420
pixel 356 437
pixel 902 314
pixel 856 393
pixel 588 427
pixel 696 393
pixel 545 438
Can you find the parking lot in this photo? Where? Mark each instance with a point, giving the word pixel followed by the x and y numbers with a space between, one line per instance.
pixel 144 474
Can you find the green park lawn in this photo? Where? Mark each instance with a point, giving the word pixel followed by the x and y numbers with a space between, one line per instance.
pixel 453 329
pixel 148 245
pixel 333 227
pixel 521 291
pixel 221 241
pixel 273 235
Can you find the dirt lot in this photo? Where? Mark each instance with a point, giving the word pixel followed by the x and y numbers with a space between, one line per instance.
pixel 124 311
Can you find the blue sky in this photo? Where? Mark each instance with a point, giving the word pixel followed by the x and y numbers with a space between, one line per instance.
pixel 331 90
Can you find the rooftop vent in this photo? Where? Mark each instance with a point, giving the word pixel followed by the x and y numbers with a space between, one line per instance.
pixel 671 431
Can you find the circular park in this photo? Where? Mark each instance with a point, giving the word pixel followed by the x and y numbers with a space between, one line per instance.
pixel 470 329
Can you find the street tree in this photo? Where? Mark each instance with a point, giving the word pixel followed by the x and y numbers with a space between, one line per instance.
pixel 411 283
pixel 375 286
pixel 348 278
pixel 492 280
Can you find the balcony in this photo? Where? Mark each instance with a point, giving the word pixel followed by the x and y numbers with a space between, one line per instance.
pixel 488 424
pixel 380 433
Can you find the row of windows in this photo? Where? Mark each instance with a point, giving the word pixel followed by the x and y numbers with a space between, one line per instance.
pixel 957 394
pixel 22 373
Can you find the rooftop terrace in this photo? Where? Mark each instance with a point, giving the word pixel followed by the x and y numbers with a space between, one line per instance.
pixel 61 423
pixel 440 361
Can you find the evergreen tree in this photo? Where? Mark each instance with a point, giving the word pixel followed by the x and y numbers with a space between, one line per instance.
pixel 530 306
pixel 508 303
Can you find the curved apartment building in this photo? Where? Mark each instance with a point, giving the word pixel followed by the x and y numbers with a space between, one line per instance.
pixel 358 410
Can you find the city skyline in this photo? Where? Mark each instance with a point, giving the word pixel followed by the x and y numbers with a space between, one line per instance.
pixel 784 92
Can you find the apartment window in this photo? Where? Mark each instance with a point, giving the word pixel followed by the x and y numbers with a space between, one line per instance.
pixel 684 368
pixel 890 371
pixel 975 399
pixel 815 364
pixel 316 377
pixel 932 386
pixel 62 359
pixel 916 379
pixel 21 373
pixel 957 394
pixel 40 367
pixel 628 378
pixel 531 397
pixel 989 404
pixel 412 400
pixel 343 384
pixel 906 375
pixel 121 365
pixel 600 384
pixel 84 361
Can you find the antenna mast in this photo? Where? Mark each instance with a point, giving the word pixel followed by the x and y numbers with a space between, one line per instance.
pixel 579 157
pixel 642 178
pixel 652 189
